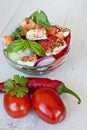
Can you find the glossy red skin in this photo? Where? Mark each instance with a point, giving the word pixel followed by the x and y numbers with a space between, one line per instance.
pixel 35 83
pixel 17 107
pixel 1 87
pixel 48 105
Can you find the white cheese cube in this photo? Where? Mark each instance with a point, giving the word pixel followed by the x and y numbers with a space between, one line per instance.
pixel 36 34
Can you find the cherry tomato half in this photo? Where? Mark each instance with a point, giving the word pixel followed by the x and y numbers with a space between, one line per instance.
pixel 17 107
pixel 48 42
pixel 52 30
pixel 48 105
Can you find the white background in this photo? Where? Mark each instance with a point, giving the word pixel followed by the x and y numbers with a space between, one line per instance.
pixel 69 13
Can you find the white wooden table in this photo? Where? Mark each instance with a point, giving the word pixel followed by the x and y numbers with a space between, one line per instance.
pixel 70 13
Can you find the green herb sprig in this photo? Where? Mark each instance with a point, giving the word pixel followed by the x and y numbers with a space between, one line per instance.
pixel 16 86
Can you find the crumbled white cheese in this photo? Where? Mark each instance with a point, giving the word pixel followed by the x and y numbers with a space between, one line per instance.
pixel 56 50
pixel 66 33
pixel 36 34
pixel 28 60
pixel 28 63
pixel 56 47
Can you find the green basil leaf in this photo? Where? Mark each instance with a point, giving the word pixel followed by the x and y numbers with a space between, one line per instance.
pixel 37 48
pixel 22 45
pixel 41 18
pixel 19 32
pixel 17 45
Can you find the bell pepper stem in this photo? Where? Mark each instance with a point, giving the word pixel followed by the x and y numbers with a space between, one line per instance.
pixel 64 89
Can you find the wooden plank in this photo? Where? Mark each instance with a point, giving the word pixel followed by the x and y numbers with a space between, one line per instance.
pixel 7 10
pixel 70 13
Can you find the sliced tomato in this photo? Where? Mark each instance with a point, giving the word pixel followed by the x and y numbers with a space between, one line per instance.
pixel 44 43
pixel 52 30
pixel 52 38
pixel 48 42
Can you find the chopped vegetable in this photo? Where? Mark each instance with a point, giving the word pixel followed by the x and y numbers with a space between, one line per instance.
pixel 7 40
pixel 14 56
pixel 46 60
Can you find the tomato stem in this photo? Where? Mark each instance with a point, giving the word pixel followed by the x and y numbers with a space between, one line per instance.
pixel 64 89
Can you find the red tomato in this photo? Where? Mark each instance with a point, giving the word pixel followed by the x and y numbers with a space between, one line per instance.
pixel 52 38
pixel 44 43
pixel 52 30
pixel 17 107
pixel 48 105
pixel 48 42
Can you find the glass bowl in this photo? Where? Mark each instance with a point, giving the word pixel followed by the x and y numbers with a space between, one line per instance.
pixel 45 69
pixel 36 46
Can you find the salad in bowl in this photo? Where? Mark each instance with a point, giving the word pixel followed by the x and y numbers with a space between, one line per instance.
pixel 36 46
